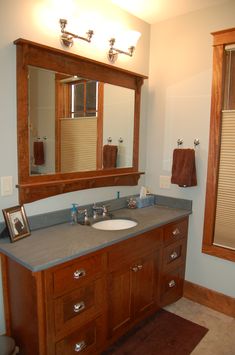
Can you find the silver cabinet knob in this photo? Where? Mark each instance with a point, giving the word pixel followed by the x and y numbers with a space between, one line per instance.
pixel 174 255
pixel 135 268
pixel 171 283
pixel 79 273
pixel 175 232
pixel 140 267
pixel 80 346
pixel 78 307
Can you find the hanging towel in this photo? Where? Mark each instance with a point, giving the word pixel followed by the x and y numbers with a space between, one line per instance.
pixel 38 151
pixel 109 156
pixel 184 168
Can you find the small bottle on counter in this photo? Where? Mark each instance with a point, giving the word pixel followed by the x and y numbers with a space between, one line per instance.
pixel 73 214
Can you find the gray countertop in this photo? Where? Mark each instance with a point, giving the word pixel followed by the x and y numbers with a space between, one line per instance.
pixel 51 246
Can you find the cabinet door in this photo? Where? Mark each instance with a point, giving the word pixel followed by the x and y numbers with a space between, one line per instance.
pixel 145 284
pixel 132 291
pixel 120 299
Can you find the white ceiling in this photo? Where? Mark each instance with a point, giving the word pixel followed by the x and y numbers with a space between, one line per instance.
pixel 153 11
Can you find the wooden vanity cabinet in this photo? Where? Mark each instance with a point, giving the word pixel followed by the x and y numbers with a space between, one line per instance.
pixel 173 261
pixel 83 305
pixel 76 306
pixel 61 310
pixel 133 280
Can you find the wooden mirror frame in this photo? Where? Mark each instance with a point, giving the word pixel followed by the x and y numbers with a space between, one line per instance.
pixel 32 188
pixel 221 39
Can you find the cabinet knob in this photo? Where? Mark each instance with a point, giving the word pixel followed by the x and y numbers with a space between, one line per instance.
pixel 175 232
pixel 79 273
pixel 80 346
pixel 140 267
pixel 174 255
pixel 171 283
pixel 78 307
pixel 135 268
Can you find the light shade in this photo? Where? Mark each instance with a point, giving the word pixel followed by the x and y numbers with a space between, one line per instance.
pixel 132 37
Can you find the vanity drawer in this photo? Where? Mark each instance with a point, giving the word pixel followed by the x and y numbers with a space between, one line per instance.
pixel 86 340
pixel 74 275
pixel 174 254
pixel 175 231
pixel 74 309
pixel 134 248
pixel 171 286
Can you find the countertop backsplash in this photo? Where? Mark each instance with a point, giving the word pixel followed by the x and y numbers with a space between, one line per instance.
pixel 48 219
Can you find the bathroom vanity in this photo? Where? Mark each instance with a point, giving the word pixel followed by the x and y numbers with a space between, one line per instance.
pixel 74 289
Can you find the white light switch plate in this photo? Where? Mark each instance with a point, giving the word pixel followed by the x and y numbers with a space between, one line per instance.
pixel 165 182
pixel 6 185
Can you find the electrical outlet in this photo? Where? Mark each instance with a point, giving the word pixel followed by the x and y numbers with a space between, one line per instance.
pixel 165 182
pixel 6 185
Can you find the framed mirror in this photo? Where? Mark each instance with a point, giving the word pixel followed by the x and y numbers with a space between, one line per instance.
pixel 78 122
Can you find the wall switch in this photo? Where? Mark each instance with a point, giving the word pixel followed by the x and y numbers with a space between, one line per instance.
pixel 6 185
pixel 165 182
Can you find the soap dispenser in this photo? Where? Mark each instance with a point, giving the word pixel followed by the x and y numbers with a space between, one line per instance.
pixel 73 214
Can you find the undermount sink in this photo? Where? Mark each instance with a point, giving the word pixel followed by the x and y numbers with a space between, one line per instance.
pixel 114 224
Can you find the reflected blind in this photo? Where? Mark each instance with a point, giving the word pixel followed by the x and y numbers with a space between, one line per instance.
pixel 78 144
pixel 225 208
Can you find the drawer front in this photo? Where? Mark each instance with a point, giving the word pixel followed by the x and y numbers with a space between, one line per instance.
pixel 78 306
pixel 175 231
pixel 76 274
pixel 133 248
pixel 171 286
pixel 174 255
pixel 86 340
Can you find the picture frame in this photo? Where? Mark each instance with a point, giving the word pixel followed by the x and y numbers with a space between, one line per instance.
pixel 16 222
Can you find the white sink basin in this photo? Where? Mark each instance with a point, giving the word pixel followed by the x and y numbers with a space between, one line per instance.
pixel 114 224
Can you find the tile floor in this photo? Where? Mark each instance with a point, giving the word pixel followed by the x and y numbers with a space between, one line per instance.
pixel 220 339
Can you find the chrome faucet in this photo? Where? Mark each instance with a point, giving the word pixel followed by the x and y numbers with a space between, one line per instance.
pixel 96 209
pixel 86 218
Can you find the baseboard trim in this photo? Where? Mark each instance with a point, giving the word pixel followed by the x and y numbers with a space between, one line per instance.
pixel 212 299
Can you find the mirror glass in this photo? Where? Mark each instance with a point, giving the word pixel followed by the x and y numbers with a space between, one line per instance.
pixel 77 124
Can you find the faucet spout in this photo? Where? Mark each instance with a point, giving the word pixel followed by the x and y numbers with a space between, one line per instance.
pixel 103 209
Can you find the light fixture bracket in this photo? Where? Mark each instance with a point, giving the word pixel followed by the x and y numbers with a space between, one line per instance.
pixel 113 52
pixel 67 38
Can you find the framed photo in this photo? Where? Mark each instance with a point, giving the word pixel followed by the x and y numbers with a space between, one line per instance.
pixel 16 222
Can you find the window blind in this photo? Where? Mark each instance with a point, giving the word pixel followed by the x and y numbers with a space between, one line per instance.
pixel 78 144
pixel 224 233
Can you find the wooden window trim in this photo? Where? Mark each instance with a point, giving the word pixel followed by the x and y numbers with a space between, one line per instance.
pixel 221 39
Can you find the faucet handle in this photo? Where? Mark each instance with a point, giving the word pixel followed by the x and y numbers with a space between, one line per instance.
pixel 86 219
pixel 105 209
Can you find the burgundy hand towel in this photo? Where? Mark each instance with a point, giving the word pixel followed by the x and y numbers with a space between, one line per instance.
pixel 184 168
pixel 109 156
pixel 38 151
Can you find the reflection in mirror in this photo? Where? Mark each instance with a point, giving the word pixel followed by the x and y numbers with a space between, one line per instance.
pixel 118 122
pixel 71 119
pixel 41 120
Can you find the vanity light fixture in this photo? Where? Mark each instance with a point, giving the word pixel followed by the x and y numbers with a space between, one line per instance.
pixel 113 52
pixel 67 37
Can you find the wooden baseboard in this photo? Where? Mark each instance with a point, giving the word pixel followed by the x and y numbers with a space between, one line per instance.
pixel 212 299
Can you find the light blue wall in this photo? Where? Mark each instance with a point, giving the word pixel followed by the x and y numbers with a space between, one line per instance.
pixel 179 100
